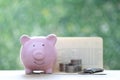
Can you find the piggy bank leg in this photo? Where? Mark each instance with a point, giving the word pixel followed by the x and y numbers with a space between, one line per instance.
pixel 48 71
pixel 28 71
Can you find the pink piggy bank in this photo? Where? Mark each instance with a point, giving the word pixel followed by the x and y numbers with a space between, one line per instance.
pixel 38 53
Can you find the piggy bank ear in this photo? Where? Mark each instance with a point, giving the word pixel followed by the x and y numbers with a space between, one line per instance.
pixel 24 39
pixel 52 38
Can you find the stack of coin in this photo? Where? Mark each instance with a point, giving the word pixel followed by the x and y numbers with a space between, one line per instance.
pixel 70 68
pixel 77 63
pixel 74 66
pixel 62 67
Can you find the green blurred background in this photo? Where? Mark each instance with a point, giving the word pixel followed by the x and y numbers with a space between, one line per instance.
pixel 73 18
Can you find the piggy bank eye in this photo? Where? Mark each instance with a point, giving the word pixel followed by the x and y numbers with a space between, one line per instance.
pixel 43 44
pixel 33 45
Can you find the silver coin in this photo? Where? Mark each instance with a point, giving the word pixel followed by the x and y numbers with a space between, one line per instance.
pixel 76 62
pixel 70 69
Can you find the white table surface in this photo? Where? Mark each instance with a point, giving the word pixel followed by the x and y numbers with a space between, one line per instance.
pixel 20 75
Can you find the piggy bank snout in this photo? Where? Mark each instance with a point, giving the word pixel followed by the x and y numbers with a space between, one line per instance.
pixel 38 55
